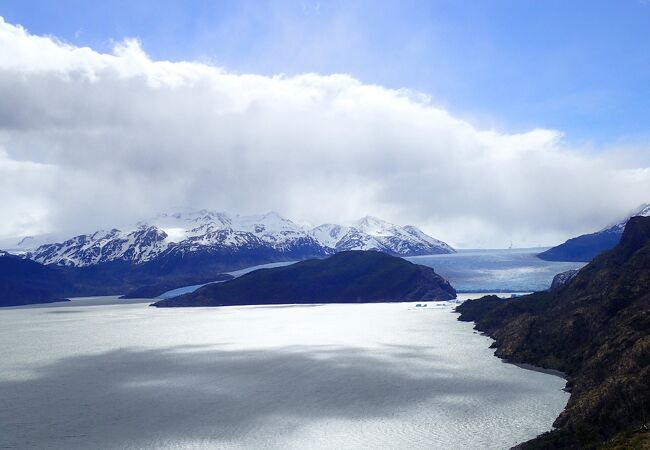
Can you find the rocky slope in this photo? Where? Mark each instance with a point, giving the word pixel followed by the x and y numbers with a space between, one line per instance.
pixel 596 329
pixel 586 247
pixel 258 239
pixel 346 277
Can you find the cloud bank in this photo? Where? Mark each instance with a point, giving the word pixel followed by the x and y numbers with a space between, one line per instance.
pixel 91 140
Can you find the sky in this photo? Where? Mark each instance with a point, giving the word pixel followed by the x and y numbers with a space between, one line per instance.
pixel 484 123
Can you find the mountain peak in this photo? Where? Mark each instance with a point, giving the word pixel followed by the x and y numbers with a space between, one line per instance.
pixel 273 215
pixel 635 235
pixel 375 226
pixel 25 240
pixel 367 220
pixel 643 210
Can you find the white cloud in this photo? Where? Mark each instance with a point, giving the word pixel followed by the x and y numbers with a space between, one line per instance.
pixel 94 140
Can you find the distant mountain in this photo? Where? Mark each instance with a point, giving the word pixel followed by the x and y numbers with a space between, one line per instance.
pixel 370 233
pixel 182 249
pixel 140 245
pixel 20 245
pixel 596 329
pixel 24 282
pixel 346 277
pixel 586 247
pixel 206 235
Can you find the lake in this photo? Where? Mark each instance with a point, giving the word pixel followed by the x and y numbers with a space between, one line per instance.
pixel 112 374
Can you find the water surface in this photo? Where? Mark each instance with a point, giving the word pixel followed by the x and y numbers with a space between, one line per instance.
pixel 105 373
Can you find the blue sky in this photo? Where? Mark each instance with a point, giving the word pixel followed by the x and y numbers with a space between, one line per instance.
pixel 582 67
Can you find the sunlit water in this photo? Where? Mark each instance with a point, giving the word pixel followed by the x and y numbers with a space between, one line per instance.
pixel 93 374
pixel 496 270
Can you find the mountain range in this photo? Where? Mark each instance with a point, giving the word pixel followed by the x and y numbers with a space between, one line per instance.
pixel 183 249
pixel 585 247
pixel 218 234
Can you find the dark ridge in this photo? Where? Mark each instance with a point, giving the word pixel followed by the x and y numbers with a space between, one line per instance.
pixel 346 277
pixel 582 248
pixel 596 329
pixel 24 282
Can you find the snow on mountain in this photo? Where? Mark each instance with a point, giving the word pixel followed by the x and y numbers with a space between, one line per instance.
pixel 355 239
pixel 329 234
pixel 374 226
pixel 222 233
pixel 587 246
pixel 371 233
pixel 139 245
pixel 643 210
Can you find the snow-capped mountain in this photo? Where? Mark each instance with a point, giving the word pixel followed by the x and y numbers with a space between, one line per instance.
pixel 222 234
pixel 586 246
pixel 370 233
pixel 617 227
pixel 139 245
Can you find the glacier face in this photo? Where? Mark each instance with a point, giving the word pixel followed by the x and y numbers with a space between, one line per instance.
pixel 220 233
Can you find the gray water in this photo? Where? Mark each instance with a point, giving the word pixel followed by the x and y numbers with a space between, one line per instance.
pixel 113 374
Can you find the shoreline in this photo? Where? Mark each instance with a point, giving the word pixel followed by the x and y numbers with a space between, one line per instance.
pixel 531 367
pixel 534 368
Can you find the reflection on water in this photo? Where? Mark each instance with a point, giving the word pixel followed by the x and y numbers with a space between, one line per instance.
pixel 326 376
pixel 496 270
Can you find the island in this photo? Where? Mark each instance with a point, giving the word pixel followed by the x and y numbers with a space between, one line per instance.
pixel 346 277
